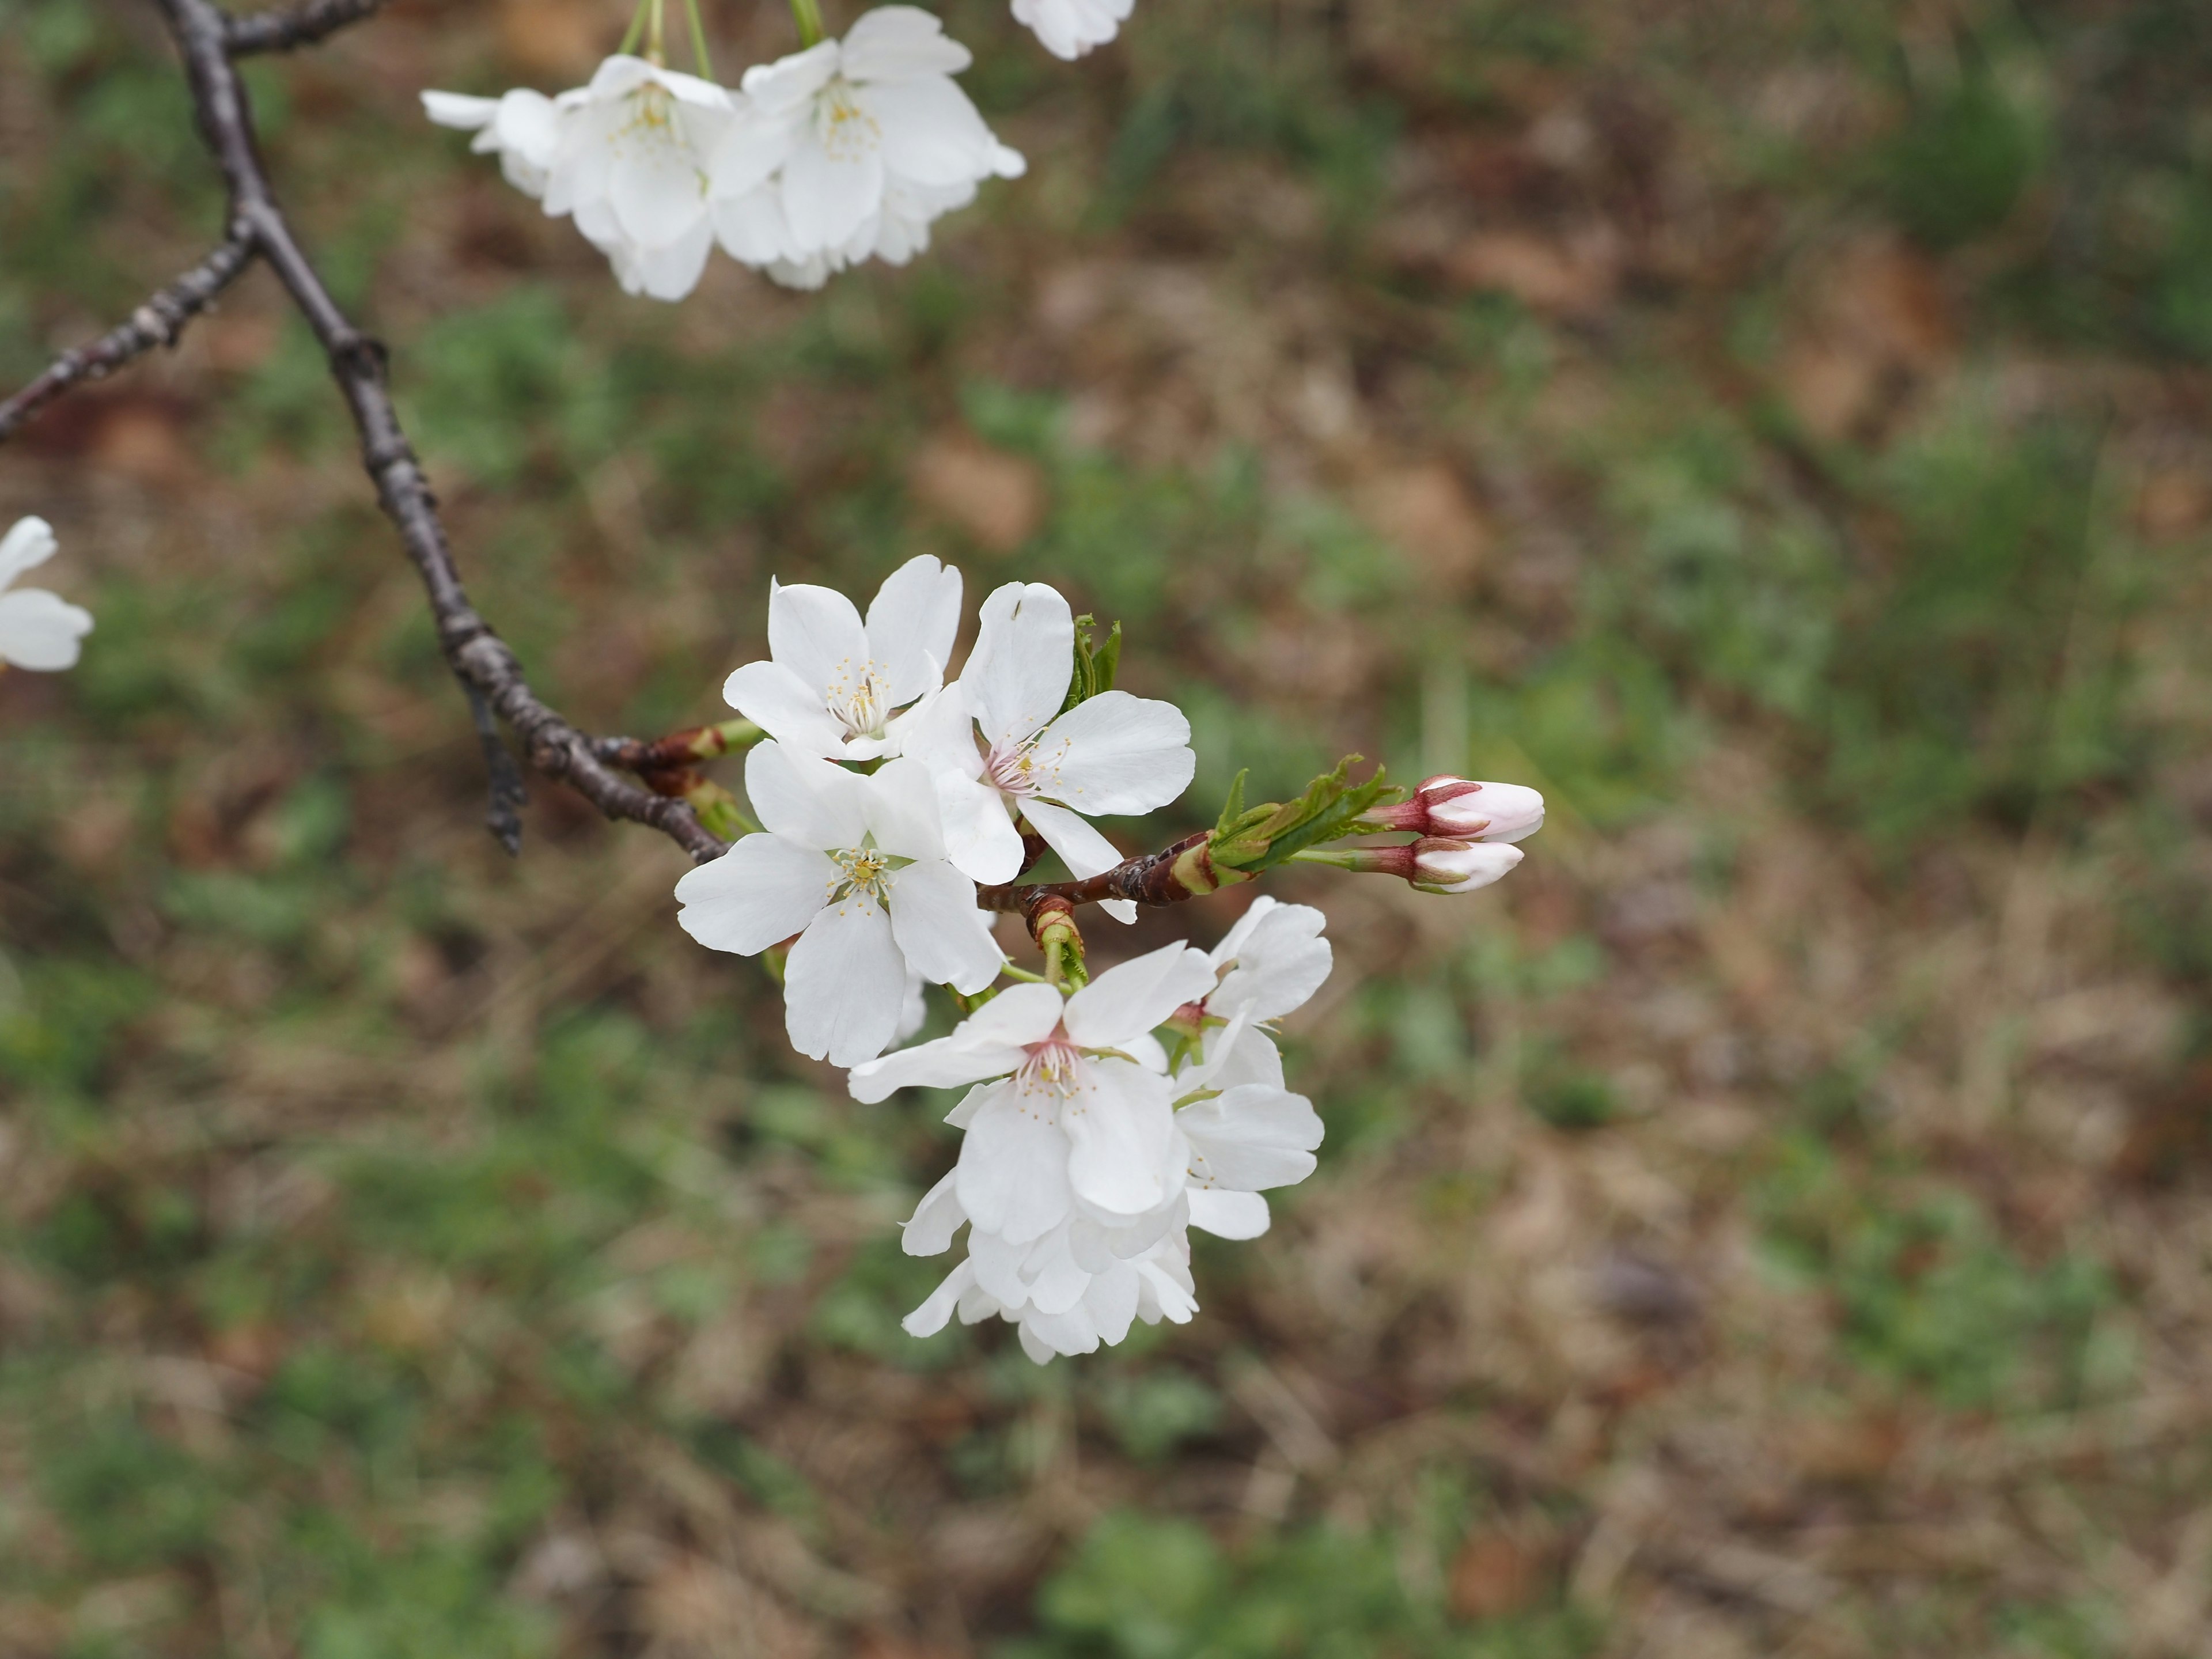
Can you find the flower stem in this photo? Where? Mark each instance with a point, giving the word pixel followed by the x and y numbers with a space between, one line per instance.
pixel 656 35
pixel 700 60
pixel 807 14
pixel 636 27
pixel 1023 975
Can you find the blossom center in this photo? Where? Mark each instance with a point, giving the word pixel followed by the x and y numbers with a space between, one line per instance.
pixel 1054 1067
pixel 847 131
pixel 1017 768
pixel 863 874
pixel 860 703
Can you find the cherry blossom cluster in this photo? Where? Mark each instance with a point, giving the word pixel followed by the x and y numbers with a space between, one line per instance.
pixel 38 629
pixel 846 151
pixel 1107 1116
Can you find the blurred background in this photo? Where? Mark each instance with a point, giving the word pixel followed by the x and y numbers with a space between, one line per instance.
pixel 1772 1223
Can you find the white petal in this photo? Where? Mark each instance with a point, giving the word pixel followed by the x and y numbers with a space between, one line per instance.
pixel 1016 677
pixel 979 838
pixel 1056 1283
pixel 816 633
pixel 1253 1136
pixel 844 984
pixel 670 273
pixel 783 89
pixel 1229 1215
pixel 933 135
pixel 899 800
pixel 827 198
pixel 804 797
pixel 941 1064
pixel 751 227
pixel 890 43
pixel 1132 998
pixel 1281 960
pixel 761 891
pixel 933 1315
pixel 1013 1166
pixel 746 155
pixel 929 1231
pixel 30 543
pixel 784 707
pixel 1121 1131
pixel 619 76
pixel 1039 1351
pixel 658 193
pixel 946 939
pixel 990 1042
pixel 912 623
pixel 1111 1302
pixel 1116 753
pixel 42 630
pixel 1080 846
pixel 528 125
pixel 1070 1333
pixel 998 1266
pixel 451 109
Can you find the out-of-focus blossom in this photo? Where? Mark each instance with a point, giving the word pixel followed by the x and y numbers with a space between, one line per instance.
pixel 38 629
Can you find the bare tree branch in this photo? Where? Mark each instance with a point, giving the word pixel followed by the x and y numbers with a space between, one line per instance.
pixel 159 322
pixel 284 28
pixel 477 656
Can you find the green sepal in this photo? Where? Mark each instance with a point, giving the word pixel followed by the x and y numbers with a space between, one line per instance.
pixel 1261 837
pixel 1094 667
pixel 1232 810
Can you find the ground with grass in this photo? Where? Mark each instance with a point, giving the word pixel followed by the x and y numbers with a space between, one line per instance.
pixel 1773 1222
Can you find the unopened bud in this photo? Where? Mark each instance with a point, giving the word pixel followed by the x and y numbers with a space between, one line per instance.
pixel 1466 810
pixel 1444 865
pixel 1460 809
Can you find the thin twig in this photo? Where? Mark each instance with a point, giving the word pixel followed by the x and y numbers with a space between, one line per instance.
pixel 477 656
pixel 159 322
pixel 284 28
pixel 1167 876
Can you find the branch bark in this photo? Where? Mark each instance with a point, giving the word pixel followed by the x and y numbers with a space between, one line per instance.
pixel 477 656
pixel 160 322
pixel 1167 876
pixel 284 28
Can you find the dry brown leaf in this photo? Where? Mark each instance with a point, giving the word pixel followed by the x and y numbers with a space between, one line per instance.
pixel 1494 1575
pixel 1558 278
pixel 994 498
pixel 1425 509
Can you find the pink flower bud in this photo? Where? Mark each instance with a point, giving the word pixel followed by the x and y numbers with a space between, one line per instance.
pixel 1466 810
pixel 1444 865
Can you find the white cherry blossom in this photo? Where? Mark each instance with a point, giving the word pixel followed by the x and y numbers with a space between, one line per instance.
pixel 1077 1120
pixel 1006 749
pixel 627 155
pixel 850 149
pixel 522 128
pixel 1071 28
pixel 833 685
pixel 1080 1175
pixel 38 629
pixel 855 866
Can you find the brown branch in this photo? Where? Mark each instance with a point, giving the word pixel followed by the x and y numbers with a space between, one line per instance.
pixel 477 656
pixel 159 322
pixel 678 750
pixel 1184 870
pixel 284 28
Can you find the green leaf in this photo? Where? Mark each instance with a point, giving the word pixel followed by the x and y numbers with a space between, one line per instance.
pixel 1233 809
pixel 1264 836
pixel 1094 667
